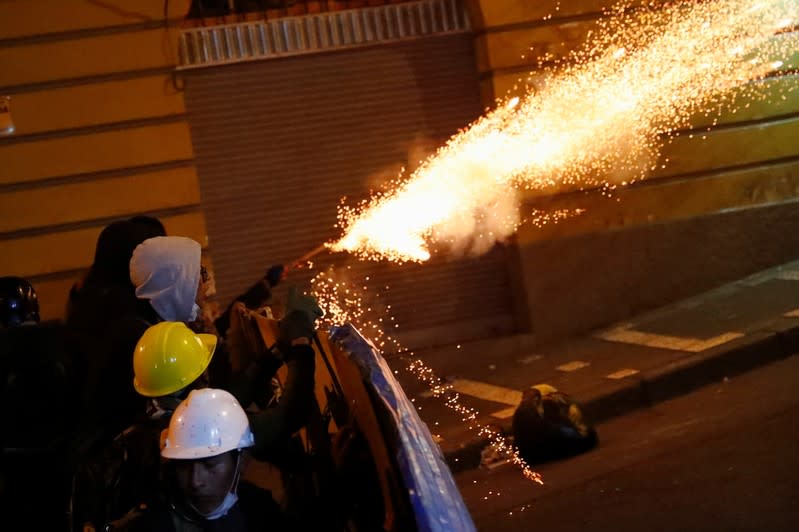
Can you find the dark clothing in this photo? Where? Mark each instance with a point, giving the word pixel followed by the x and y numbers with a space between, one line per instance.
pixel 103 338
pixel 104 324
pixel 254 511
pixel 117 475
pixel 549 426
pixel 38 403
pixel 97 304
pixel 256 296
pixel 274 426
pixel 37 393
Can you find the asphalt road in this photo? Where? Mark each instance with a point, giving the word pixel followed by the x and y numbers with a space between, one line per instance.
pixel 725 457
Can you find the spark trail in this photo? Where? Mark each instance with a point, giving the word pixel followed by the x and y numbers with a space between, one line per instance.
pixel 599 120
pixel 348 302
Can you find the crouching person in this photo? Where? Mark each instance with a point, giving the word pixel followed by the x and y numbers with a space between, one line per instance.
pixel 205 452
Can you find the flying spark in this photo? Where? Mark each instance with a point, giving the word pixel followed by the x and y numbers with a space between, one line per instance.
pixel 598 120
pixel 343 301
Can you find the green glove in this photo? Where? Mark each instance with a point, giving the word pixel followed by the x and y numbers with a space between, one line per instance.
pixel 301 313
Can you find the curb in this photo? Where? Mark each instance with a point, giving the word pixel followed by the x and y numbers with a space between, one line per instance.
pixel 654 386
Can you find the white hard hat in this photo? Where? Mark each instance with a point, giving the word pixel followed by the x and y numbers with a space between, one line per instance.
pixel 207 423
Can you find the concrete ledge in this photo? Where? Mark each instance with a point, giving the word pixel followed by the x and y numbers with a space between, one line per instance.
pixel 778 341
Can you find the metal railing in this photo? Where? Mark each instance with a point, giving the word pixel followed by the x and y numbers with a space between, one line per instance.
pixel 333 30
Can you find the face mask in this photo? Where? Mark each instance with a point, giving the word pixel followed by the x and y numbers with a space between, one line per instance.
pixel 195 312
pixel 227 504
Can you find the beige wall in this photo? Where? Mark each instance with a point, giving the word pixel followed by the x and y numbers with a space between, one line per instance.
pixel 100 133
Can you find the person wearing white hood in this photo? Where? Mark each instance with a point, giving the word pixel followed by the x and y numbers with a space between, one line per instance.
pixel 167 272
pixel 169 361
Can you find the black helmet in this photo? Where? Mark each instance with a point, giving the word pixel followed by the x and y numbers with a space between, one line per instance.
pixel 18 302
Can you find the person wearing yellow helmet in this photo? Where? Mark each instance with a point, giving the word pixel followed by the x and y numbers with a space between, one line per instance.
pixel 169 282
pixel 170 362
pixel 170 358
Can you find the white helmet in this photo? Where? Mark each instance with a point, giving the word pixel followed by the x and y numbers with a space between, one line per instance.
pixel 207 423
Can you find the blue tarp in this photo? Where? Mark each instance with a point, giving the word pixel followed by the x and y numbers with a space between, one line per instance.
pixel 437 503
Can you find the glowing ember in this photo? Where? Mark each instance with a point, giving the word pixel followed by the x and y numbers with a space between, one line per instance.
pixel 598 121
pixel 344 302
pixel 451 399
pixel 540 218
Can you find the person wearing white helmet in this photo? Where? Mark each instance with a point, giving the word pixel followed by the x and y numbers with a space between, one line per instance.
pixel 208 435
pixel 169 362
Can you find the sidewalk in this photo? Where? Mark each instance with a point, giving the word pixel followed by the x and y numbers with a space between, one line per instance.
pixel 670 351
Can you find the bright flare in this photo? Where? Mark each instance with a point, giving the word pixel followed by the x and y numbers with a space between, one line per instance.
pixel 598 122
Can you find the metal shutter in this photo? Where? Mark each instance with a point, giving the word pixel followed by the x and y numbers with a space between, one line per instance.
pixel 279 142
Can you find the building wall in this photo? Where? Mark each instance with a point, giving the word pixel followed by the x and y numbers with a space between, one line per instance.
pixel 723 205
pixel 100 133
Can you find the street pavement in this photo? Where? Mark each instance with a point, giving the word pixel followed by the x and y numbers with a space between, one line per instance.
pixel 609 372
pixel 723 457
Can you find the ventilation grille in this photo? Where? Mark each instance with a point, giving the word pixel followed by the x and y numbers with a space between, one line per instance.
pixel 250 41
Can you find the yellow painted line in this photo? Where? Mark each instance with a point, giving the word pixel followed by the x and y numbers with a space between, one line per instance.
pixel 488 392
pixel 622 373
pixel 792 314
pixel 625 335
pixel 505 413
pixel 573 366
pixel 789 275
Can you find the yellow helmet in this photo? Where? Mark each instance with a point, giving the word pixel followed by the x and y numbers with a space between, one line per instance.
pixel 168 357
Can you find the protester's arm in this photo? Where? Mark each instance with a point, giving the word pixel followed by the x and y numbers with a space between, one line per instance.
pixel 272 427
pixel 275 425
pixel 246 385
pixel 252 362
pixel 254 297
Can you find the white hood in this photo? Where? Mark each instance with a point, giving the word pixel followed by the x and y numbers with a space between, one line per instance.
pixel 166 270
